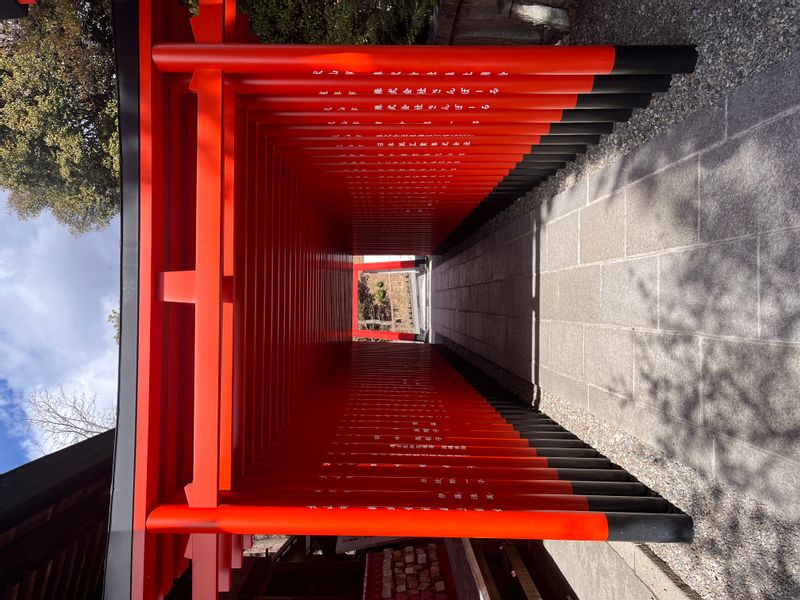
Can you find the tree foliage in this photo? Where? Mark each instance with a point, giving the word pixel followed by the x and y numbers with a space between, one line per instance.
pixel 373 303
pixel 114 320
pixel 339 21
pixel 59 144
pixel 58 126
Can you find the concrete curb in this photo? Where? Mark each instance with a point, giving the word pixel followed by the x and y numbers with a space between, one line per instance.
pixel 653 572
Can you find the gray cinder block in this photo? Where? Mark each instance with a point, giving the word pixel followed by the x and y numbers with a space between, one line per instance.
pixel 764 95
pixel 667 374
pixel 607 180
pixel 750 393
pixel 603 229
pixel 566 349
pixel 571 390
pixel 562 242
pixel 630 293
pixel 698 131
pixel 610 407
pixel 548 295
pixel 662 210
pixel 760 474
pixel 571 199
pixel 779 273
pixel 609 359
pixel 579 294
pixel 711 290
pixel 751 183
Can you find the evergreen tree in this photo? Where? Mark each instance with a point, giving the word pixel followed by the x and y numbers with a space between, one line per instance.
pixel 339 21
pixel 58 121
pixel 58 118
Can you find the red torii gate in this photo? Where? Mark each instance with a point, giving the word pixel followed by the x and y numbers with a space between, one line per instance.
pixel 262 169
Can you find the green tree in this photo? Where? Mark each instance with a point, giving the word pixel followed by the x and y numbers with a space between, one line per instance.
pixel 380 293
pixel 339 21
pixel 115 321
pixel 59 146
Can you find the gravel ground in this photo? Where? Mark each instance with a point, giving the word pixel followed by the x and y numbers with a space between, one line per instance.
pixel 735 39
pixel 742 549
pixel 264 545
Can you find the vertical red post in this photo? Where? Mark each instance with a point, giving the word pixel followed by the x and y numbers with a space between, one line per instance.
pixel 208 289
pixel 202 492
pixel 226 382
pixel 148 414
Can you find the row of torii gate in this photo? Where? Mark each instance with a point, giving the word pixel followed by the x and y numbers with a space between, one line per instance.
pixel 251 175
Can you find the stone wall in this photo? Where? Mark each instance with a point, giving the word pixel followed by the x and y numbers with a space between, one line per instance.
pixel 662 292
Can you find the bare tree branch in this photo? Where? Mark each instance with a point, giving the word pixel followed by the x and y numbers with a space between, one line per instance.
pixel 62 419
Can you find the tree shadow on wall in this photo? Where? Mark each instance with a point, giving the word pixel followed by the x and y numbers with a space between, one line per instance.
pixel 714 383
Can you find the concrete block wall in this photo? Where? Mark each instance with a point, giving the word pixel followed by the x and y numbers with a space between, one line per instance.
pixel 668 287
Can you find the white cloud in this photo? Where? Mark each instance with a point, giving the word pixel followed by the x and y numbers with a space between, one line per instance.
pixel 55 295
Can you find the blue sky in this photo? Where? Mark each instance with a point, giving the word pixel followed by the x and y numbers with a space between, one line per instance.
pixel 12 453
pixel 55 295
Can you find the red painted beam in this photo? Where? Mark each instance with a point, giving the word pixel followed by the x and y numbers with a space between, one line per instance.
pixel 393 522
pixel 385 335
pixel 339 60
pixel 385 265
pixel 177 286
pixel 336 86
pixel 411 104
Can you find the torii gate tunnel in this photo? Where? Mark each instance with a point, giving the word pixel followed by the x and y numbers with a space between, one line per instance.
pixel 251 175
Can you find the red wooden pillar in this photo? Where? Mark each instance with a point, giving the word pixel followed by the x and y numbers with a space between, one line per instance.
pixel 204 487
pixel 144 566
pixel 227 341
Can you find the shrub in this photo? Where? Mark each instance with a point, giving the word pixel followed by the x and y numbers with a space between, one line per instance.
pixel 339 21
